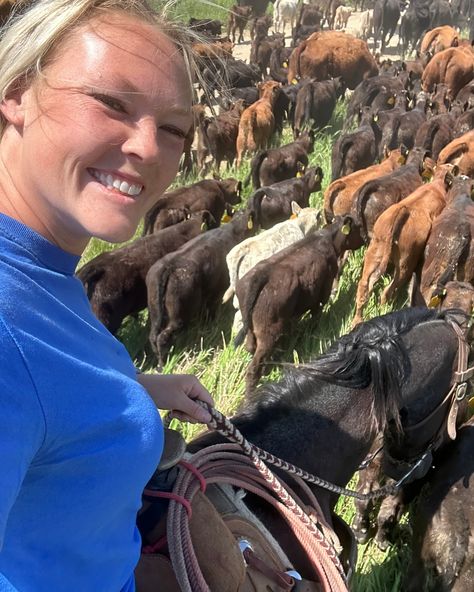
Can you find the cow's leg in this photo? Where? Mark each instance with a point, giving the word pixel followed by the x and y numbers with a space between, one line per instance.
pixel 388 517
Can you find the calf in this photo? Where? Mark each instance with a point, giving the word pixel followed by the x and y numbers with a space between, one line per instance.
pixel 453 66
pixel 460 152
pixel 435 133
pixel 212 195
pixel 238 19
pixel 257 122
pixel 399 238
pixel 115 280
pixel 356 150
pixel 315 104
pixel 450 247
pixel 277 164
pixel 220 134
pixel 377 195
pixel 249 252
pixel 438 39
pixel 191 281
pixel 339 196
pixel 209 27
pixel 342 17
pixel 285 12
pixel 272 204
pixel 366 25
pixel 444 521
pixel 278 290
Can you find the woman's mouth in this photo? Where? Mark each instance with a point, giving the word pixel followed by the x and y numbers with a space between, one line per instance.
pixel 112 182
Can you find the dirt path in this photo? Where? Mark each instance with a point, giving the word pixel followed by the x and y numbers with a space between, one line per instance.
pixel 242 51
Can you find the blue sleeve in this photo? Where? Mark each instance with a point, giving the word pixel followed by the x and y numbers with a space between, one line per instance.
pixel 5 585
pixel 22 426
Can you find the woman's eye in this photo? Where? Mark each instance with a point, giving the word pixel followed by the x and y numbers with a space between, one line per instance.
pixel 111 102
pixel 175 131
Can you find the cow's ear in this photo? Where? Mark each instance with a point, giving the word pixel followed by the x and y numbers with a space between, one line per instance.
pixel 448 179
pixel 295 209
pixel 346 225
pixel 455 170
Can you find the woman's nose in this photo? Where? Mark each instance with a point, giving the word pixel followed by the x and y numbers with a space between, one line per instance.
pixel 142 141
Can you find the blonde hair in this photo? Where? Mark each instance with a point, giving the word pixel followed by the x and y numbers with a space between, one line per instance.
pixel 35 29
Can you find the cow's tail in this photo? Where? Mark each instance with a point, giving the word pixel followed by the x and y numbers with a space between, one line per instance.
pixel 340 156
pixel 246 307
pixel 429 138
pixel 330 198
pixel 255 165
pixel 363 197
pixel 402 215
pixel 90 275
pixel 157 308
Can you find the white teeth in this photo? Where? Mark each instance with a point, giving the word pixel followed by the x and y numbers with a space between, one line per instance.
pixel 109 181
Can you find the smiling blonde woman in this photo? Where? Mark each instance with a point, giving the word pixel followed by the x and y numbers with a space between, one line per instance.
pixel 95 105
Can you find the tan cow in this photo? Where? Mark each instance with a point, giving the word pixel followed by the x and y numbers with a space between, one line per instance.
pixel 328 54
pixel 438 39
pixel 460 152
pixel 453 66
pixel 257 122
pixel 399 237
pixel 339 196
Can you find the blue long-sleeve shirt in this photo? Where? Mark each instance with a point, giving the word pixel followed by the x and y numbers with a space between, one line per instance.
pixel 79 437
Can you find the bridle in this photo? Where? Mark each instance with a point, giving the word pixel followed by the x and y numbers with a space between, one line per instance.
pixel 444 415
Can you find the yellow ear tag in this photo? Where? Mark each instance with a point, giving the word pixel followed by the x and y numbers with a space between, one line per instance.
pixel 391 101
pixel 284 65
pixel 402 160
pixel 294 81
pixel 225 218
pixel 203 227
pixel 434 302
pixel 346 229
pixel 250 224
pixel 293 217
pixel 470 404
pixel 375 118
pixel 299 174
pixel 426 176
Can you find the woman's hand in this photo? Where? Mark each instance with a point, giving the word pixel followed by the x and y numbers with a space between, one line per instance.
pixel 178 393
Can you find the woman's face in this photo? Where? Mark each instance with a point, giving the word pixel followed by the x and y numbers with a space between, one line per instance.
pixel 100 138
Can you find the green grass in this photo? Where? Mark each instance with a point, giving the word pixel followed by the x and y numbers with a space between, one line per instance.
pixel 207 351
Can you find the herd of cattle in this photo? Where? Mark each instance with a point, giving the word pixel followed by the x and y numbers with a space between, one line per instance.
pixel 402 184
pixel 402 172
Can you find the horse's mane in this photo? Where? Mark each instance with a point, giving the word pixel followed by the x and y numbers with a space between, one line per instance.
pixel 372 354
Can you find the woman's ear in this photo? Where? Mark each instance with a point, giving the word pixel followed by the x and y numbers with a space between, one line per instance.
pixel 13 105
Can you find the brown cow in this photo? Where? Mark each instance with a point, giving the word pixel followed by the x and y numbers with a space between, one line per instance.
pixel 210 194
pixel 257 122
pixel 191 281
pixel 339 196
pixel 377 195
pixel 238 19
pixel 399 238
pixel 115 280
pixel 270 166
pixel 328 54
pixel 453 66
pixel 272 204
pixel 278 290
pixel 220 134
pixel 356 150
pixel 449 253
pixel 438 39
pixel 460 152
